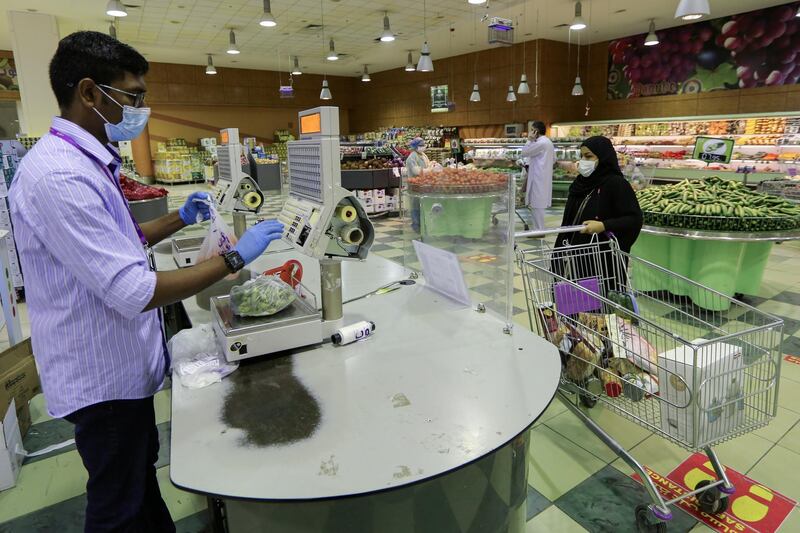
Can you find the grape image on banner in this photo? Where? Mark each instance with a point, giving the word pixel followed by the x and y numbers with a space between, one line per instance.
pixel 755 49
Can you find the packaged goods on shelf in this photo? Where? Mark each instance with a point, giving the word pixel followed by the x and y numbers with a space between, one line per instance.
pixel 176 162
pixel 718 205
pixel 9 162
pixel 208 141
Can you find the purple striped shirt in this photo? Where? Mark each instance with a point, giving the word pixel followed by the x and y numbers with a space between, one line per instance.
pixel 87 278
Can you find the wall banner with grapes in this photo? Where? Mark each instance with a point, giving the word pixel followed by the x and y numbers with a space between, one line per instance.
pixel 755 49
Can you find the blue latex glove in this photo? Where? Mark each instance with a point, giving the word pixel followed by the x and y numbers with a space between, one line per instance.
pixel 195 210
pixel 256 239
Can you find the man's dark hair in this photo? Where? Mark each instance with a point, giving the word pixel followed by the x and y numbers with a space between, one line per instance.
pixel 539 126
pixel 95 55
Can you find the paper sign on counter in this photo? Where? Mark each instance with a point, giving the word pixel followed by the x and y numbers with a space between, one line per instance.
pixel 443 272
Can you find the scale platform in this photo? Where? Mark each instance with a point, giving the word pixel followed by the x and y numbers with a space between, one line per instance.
pixel 298 325
pixel 184 251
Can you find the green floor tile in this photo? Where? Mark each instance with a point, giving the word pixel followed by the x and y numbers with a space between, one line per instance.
pixel 790 371
pixel 791 441
pixel 778 471
pixel 181 504
pixel 607 502
pixel 742 453
pixel 44 483
pixel 659 454
pixel 789 394
pixel 556 464
pixel 38 409
pixel 623 431
pixel 780 425
pixel 555 409
pixel 553 520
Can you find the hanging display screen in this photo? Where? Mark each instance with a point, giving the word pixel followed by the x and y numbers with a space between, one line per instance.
pixel 439 99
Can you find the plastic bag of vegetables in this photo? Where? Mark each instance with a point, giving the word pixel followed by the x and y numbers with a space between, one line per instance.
pixel 263 296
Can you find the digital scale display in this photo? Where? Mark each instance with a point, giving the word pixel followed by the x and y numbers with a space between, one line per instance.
pixel 311 124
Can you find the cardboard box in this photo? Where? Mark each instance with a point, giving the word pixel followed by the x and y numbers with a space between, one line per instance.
pixel 365 195
pixel 379 193
pixel 720 398
pixel 380 207
pixel 19 381
pixel 11 451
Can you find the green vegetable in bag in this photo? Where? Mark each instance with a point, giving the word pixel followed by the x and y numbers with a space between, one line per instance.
pixel 263 296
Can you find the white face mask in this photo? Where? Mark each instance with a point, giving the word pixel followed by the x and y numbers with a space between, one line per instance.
pixel 586 167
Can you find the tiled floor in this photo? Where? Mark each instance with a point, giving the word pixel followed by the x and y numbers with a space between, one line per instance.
pixel 576 483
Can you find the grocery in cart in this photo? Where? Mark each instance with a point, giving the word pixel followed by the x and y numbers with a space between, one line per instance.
pixel 693 376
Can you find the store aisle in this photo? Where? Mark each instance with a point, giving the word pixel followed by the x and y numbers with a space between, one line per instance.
pixel 576 484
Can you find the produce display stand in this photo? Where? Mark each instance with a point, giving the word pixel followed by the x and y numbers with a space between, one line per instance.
pixel 458 214
pixel 731 263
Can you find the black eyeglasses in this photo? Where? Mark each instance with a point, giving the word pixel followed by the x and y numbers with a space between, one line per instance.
pixel 138 98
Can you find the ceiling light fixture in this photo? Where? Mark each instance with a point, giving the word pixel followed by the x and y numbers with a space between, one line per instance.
pixel 578 23
pixel 296 69
pixel 114 8
pixel 332 55
pixel 325 94
pixel 425 62
pixel 652 38
pixel 267 20
pixel 476 94
pixel 365 76
pixel 511 97
pixel 524 88
pixel 210 68
pixel 692 9
pixel 112 29
pixel 798 12
pixel 476 3
pixel 232 48
pixel 387 36
pixel 577 89
pixel 410 65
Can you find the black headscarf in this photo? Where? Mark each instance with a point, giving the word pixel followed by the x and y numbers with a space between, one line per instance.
pixel 607 165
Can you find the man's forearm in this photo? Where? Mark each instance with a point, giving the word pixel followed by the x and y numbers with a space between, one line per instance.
pixel 176 285
pixel 157 230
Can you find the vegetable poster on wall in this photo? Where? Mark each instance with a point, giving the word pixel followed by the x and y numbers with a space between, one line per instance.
pixel 8 75
pixel 755 49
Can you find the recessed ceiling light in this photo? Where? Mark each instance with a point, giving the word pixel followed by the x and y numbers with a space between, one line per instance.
pixel 618 11
pixel 32 10
pixel 174 21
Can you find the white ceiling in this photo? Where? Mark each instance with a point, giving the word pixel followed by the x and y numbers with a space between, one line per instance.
pixel 183 31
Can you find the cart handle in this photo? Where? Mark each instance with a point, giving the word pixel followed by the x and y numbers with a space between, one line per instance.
pixel 548 231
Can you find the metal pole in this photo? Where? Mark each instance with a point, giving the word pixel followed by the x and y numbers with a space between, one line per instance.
pixel 331 278
pixel 239 224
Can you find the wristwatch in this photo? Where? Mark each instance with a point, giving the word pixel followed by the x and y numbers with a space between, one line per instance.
pixel 233 261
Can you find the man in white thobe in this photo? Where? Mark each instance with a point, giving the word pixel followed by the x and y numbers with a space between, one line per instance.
pixel 540 155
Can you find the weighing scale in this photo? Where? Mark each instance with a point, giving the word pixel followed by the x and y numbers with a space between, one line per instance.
pixel 323 221
pixel 235 192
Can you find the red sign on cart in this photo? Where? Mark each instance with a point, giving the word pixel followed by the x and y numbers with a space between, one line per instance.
pixel 753 508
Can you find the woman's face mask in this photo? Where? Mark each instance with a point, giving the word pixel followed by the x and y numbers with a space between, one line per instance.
pixel 586 167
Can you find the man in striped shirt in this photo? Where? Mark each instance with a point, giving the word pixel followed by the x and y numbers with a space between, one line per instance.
pixel 92 297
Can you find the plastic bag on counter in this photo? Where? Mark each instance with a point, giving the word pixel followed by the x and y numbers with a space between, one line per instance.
pixel 262 296
pixel 220 239
pixel 197 359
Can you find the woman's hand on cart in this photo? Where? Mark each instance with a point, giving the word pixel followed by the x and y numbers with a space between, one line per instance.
pixel 591 227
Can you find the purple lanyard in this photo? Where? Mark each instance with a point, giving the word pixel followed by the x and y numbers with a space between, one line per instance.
pixel 66 138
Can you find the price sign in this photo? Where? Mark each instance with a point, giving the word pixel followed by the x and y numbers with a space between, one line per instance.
pixel 712 150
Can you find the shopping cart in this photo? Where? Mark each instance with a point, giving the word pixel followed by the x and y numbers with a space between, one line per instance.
pixel 693 376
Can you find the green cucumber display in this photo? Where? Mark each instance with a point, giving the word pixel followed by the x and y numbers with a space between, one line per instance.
pixel 716 204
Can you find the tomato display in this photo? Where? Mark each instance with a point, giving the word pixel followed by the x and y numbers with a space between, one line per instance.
pixel 459 181
pixel 135 191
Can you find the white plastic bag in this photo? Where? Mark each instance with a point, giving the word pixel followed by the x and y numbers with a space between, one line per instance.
pixel 197 359
pixel 263 296
pixel 220 239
